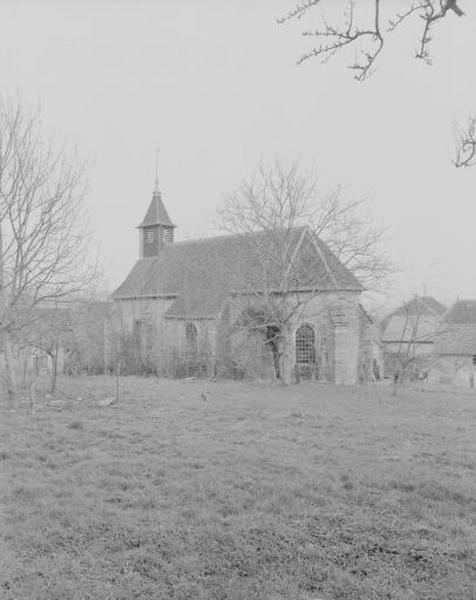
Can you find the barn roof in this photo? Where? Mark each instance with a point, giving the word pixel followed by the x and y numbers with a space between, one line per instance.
pixel 414 321
pixel 200 274
pixel 457 332
pixel 421 305
pixel 462 312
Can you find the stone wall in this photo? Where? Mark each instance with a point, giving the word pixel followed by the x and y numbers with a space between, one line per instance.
pixel 151 310
pixel 370 365
pixel 169 333
pixel 335 319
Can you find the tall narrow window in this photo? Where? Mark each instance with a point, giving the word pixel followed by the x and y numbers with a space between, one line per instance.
pixel 191 336
pixel 305 345
pixel 138 332
pixel 150 236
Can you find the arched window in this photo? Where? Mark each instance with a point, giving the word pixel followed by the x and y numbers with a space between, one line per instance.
pixel 305 345
pixel 191 335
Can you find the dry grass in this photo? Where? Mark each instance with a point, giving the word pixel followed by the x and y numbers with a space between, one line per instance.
pixel 260 492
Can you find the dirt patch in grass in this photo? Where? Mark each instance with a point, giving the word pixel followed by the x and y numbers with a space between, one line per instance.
pixel 260 492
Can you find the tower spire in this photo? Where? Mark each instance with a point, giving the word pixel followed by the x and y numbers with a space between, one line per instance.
pixel 156 229
pixel 156 185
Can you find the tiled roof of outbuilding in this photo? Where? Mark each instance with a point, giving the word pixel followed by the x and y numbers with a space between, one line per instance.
pixel 457 332
pixel 200 274
pixel 414 321
pixel 410 328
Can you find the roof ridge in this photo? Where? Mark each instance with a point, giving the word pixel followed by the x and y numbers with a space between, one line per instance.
pixel 237 235
pixel 202 272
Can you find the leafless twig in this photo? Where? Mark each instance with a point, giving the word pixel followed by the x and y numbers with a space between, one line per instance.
pixel 465 142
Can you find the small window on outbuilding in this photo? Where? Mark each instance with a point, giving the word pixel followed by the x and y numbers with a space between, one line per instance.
pixel 305 345
pixel 138 332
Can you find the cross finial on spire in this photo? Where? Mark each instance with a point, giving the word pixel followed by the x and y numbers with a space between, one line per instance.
pixel 156 187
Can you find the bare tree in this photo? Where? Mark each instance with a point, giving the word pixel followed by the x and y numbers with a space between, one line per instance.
pixel 92 339
pixel 348 230
pixel 44 237
pixel 406 352
pixel 50 331
pixel 364 27
pixel 409 335
pixel 266 211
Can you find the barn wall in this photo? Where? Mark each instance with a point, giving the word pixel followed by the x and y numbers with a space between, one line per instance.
pixel 453 369
pixel 395 353
pixel 419 349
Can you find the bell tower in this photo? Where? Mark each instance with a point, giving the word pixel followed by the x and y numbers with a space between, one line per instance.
pixel 156 229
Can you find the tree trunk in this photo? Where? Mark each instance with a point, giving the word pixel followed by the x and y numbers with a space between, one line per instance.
pixel 273 339
pixel 54 370
pixel 397 378
pixel 118 373
pixel 32 394
pixel 11 379
pixel 276 360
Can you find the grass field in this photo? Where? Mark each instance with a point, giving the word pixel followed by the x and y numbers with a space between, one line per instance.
pixel 259 492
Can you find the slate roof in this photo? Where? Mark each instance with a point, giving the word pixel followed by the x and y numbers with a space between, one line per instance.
pixel 200 274
pixel 457 332
pixel 414 321
pixel 156 213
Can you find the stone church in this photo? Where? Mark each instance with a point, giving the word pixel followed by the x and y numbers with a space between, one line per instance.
pixel 192 295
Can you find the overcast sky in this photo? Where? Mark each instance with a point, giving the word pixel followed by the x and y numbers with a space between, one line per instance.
pixel 214 84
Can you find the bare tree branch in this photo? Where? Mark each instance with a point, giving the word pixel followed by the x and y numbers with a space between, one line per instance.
pixel 368 40
pixel 465 145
